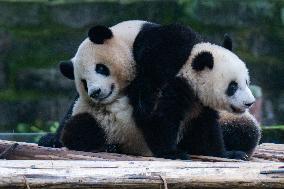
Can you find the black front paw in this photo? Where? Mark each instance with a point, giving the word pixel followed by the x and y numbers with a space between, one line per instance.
pixel 82 132
pixel 50 140
pixel 174 155
pixel 237 155
pixel 112 148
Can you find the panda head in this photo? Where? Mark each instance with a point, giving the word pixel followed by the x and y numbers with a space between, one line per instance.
pixel 102 67
pixel 219 78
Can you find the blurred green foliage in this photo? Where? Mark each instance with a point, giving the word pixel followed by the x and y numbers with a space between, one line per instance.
pixel 37 127
pixel 14 95
pixel 273 134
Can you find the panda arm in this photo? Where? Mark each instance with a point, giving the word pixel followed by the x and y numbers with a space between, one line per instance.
pixel 82 132
pixel 142 95
pixel 161 127
pixel 240 132
pixel 204 137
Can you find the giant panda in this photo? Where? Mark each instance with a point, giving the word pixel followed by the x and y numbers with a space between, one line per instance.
pixel 102 116
pixel 181 83
pixel 113 46
pixel 93 138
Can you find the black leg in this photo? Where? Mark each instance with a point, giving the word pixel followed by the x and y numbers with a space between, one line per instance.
pixel 50 140
pixel 203 136
pixel 162 125
pixel 83 133
pixel 240 132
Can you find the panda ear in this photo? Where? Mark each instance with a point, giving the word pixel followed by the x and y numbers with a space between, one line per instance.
pixel 98 34
pixel 227 43
pixel 67 69
pixel 202 60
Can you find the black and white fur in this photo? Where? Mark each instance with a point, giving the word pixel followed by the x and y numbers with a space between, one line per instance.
pixel 102 116
pixel 181 83
pixel 91 138
pixel 241 132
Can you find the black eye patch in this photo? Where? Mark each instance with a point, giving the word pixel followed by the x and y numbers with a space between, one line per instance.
pixel 232 88
pixel 102 69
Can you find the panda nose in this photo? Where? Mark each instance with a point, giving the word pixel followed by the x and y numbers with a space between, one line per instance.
pixel 249 104
pixel 96 93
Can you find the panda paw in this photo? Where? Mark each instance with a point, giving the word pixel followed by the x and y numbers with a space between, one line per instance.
pixel 50 140
pixel 112 148
pixel 174 155
pixel 237 155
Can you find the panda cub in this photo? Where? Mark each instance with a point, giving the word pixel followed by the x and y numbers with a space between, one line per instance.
pixel 181 82
pixel 88 131
pixel 110 44
pixel 102 68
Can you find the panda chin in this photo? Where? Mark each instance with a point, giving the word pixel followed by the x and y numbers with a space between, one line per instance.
pixel 237 110
pixel 105 100
pixel 109 98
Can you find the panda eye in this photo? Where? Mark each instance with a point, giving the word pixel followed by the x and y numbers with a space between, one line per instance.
pixel 102 69
pixel 232 88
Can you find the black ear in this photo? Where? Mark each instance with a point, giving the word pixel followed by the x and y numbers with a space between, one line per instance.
pixel 227 43
pixel 98 34
pixel 202 60
pixel 67 69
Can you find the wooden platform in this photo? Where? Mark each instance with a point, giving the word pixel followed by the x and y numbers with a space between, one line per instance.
pixel 60 168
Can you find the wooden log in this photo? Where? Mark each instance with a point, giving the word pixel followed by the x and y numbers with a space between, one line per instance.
pixel 137 174
pixel 270 151
pixel 26 151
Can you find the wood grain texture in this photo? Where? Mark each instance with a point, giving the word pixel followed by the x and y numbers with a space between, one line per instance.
pixel 57 168
pixel 137 174
pixel 25 151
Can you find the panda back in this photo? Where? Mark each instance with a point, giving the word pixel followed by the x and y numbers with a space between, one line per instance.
pixel 161 51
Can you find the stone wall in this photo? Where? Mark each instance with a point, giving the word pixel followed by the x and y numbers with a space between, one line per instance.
pixel 36 35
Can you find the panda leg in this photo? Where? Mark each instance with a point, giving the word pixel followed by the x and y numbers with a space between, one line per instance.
pixel 50 140
pixel 203 136
pixel 83 133
pixel 240 132
pixel 162 126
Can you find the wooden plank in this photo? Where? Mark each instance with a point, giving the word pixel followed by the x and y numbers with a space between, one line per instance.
pixel 137 174
pixel 270 151
pixel 26 151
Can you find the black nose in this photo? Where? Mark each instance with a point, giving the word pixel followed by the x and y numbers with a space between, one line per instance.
pixel 96 93
pixel 249 104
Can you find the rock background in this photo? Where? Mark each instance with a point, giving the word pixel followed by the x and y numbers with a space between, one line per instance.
pixel 36 35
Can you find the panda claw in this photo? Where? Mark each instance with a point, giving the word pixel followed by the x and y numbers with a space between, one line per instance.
pixel 111 148
pixel 237 155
